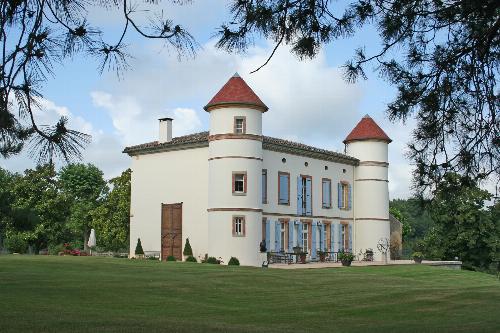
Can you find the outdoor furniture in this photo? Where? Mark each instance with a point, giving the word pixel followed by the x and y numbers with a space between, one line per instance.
pixel 279 257
pixel 297 256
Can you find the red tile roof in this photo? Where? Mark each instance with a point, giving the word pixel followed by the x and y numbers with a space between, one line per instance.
pixel 236 91
pixel 367 129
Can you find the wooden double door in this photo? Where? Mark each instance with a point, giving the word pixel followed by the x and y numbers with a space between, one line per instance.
pixel 171 231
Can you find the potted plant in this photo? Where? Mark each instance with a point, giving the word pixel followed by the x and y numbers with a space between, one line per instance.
pixel 418 257
pixel 346 258
pixel 369 255
pixel 302 257
pixel 139 252
pixel 322 255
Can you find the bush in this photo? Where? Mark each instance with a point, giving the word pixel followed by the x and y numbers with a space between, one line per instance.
pixel 171 258
pixel 150 258
pixel 233 261
pixel 15 242
pixel 191 259
pixel 346 256
pixel 138 248
pixel 417 255
pixel 188 251
pixel 212 260
pixel 56 249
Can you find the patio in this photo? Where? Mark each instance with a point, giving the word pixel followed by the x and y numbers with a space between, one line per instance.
pixel 312 265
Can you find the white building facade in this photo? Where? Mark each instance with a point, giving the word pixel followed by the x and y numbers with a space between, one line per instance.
pixel 231 188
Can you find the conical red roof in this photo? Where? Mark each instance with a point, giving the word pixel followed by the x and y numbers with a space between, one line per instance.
pixel 367 129
pixel 236 91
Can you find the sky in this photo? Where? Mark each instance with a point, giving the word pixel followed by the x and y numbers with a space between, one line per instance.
pixel 308 101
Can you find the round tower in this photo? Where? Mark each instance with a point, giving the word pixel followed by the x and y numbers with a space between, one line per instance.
pixel 235 171
pixel 369 143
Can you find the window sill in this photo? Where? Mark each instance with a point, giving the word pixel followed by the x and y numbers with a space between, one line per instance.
pixel 239 193
pixel 284 204
pixel 238 235
pixel 324 207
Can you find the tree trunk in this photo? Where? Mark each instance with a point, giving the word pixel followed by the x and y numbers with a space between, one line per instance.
pixel 85 240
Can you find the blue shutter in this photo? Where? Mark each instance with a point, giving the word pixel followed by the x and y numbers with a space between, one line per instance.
pixel 277 234
pixel 328 192
pixel 320 227
pixel 325 194
pixel 283 195
pixel 299 236
pixel 339 237
pixel 332 237
pixel 313 240
pixel 350 237
pixel 268 235
pixel 290 236
pixel 308 196
pixel 349 202
pixel 299 196
pixel 339 194
pixel 325 245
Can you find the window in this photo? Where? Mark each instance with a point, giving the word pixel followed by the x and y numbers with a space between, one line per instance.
pixel 305 237
pixel 239 183
pixel 283 188
pixel 326 185
pixel 304 195
pixel 344 195
pixel 238 226
pixel 264 186
pixel 283 240
pixel 240 125
pixel 345 236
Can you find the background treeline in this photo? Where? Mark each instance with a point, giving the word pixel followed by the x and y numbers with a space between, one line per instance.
pixel 42 209
pixel 456 223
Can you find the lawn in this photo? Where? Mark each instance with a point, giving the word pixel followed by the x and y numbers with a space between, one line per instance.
pixel 88 294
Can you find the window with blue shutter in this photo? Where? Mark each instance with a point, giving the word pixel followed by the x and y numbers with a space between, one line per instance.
pixel 290 236
pixel 339 195
pixel 277 234
pixel 321 239
pixel 268 235
pixel 327 192
pixel 350 237
pixel 308 198
pixel 349 196
pixel 332 237
pixel 313 240
pixel 340 245
pixel 300 205
pixel 283 188
pixel 299 236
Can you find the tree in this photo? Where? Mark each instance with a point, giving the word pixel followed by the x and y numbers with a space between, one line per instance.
pixel 443 57
pixel 84 186
pixel 138 248
pixel 38 211
pixel 36 35
pixel 111 219
pixel 188 251
pixel 463 227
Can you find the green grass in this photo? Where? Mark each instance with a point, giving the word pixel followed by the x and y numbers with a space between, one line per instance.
pixel 78 294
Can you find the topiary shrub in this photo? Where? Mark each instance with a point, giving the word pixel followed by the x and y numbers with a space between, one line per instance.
pixel 138 248
pixel 212 260
pixel 16 242
pixel 188 251
pixel 191 259
pixel 171 258
pixel 233 261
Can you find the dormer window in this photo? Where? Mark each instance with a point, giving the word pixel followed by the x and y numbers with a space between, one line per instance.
pixel 240 126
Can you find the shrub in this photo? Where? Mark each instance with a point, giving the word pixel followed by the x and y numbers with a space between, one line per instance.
pixel 171 258
pixel 346 256
pixel 56 249
pixel 191 259
pixel 15 242
pixel 138 248
pixel 188 251
pixel 234 261
pixel 150 258
pixel 212 260
pixel 417 255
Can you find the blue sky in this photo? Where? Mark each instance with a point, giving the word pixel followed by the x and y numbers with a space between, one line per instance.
pixel 309 101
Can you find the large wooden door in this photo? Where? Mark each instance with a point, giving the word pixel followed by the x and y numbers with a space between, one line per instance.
pixel 171 231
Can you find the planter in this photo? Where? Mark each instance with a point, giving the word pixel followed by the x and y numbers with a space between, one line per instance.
pixel 346 262
pixel 322 257
pixel 418 260
pixel 303 258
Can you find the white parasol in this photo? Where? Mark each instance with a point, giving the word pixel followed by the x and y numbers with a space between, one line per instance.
pixel 91 243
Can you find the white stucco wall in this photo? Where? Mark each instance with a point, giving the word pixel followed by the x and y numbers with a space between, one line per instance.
pixel 222 120
pixel 169 177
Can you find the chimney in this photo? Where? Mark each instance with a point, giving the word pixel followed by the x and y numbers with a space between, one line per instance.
pixel 165 134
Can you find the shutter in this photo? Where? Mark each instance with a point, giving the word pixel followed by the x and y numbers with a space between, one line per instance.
pixel 332 237
pixel 290 236
pixel 243 227
pixel 350 237
pixel 233 183
pixel 325 238
pixel 245 182
pixel 308 196
pixel 233 227
pixel 244 125
pixel 277 234
pixel 268 235
pixel 349 200
pixel 339 193
pixel 320 228
pixel 313 240
pixel 299 236
pixel 283 189
pixel 323 192
pixel 299 196
pixel 340 246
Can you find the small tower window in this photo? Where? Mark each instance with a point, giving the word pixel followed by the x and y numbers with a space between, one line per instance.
pixel 283 160
pixel 240 125
pixel 239 183
pixel 238 226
